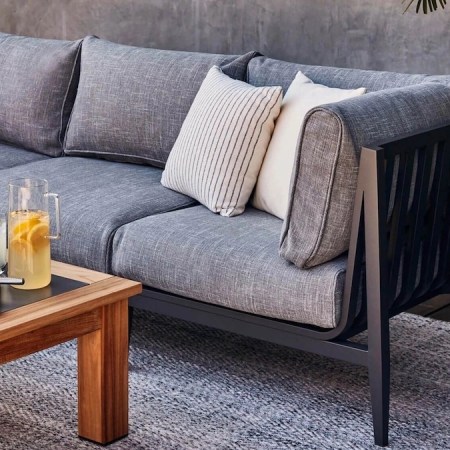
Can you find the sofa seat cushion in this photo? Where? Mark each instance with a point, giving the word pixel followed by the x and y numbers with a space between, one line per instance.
pixel 131 101
pixel 97 197
pixel 228 262
pixel 38 84
pixel 14 156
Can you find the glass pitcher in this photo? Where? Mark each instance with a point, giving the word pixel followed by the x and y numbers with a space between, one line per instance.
pixel 29 232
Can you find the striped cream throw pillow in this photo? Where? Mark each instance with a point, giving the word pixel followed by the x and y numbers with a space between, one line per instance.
pixel 219 151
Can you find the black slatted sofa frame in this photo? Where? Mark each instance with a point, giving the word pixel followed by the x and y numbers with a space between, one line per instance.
pixel 399 256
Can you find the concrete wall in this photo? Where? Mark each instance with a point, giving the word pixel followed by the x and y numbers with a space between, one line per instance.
pixel 370 34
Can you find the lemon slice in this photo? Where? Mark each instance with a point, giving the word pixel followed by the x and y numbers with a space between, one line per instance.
pixel 24 226
pixel 37 236
pixel 20 246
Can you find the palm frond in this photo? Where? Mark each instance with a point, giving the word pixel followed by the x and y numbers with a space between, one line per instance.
pixel 427 5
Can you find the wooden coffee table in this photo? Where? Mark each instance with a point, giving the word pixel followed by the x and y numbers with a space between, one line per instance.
pixel 96 314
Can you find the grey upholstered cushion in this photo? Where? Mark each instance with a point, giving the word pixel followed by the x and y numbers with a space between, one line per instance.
pixel 13 156
pixel 97 197
pixel 263 71
pixel 444 79
pixel 317 226
pixel 38 79
pixel 132 101
pixel 228 262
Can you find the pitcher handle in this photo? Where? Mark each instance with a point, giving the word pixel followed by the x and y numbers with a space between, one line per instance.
pixel 57 214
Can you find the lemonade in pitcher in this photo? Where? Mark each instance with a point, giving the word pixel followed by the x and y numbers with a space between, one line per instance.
pixel 29 234
pixel 29 248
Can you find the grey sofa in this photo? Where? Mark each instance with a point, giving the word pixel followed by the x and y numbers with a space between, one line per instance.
pixel 367 232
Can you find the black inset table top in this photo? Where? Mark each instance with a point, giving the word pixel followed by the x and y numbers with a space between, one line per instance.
pixel 11 298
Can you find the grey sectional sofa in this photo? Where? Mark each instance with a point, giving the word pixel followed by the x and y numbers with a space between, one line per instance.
pixel 367 233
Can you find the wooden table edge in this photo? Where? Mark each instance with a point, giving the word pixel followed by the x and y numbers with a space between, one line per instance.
pixel 65 306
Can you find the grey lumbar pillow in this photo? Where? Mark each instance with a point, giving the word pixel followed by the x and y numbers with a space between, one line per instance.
pixel 219 151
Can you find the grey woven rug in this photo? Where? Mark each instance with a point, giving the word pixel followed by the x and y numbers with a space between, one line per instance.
pixel 195 388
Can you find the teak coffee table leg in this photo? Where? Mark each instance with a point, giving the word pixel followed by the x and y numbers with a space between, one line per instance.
pixel 103 377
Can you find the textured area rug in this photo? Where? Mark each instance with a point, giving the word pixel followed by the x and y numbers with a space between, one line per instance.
pixel 196 388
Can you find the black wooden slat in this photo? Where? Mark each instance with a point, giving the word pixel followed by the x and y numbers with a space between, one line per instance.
pixel 438 198
pixel 392 166
pixel 444 248
pixel 397 234
pixel 417 215
pixel 360 321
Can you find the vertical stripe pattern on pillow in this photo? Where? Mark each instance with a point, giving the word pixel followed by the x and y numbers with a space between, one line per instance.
pixel 219 151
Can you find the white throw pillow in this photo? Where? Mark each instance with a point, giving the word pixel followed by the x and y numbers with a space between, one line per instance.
pixel 272 188
pixel 219 151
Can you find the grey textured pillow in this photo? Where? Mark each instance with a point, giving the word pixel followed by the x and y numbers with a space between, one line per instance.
pixel 38 80
pixel 132 102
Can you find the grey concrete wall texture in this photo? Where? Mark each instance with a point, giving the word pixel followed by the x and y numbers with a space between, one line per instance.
pixel 368 34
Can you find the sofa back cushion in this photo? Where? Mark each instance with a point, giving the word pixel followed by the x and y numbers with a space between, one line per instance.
pixel 38 81
pixel 132 101
pixel 264 71
pixel 443 79
pixel 318 223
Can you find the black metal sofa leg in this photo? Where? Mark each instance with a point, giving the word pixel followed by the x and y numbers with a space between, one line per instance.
pixel 379 379
pixel 378 289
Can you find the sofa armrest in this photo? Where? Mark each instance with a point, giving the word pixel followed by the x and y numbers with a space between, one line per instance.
pixel 323 184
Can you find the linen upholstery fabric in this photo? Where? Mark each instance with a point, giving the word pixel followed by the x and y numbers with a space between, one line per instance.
pixel 132 101
pixel 272 188
pixel 223 140
pixel 38 81
pixel 97 197
pixel 13 156
pixel 444 79
pixel 318 223
pixel 232 263
pixel 263 71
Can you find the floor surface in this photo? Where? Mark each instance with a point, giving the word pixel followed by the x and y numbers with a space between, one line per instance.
pixel 436 308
